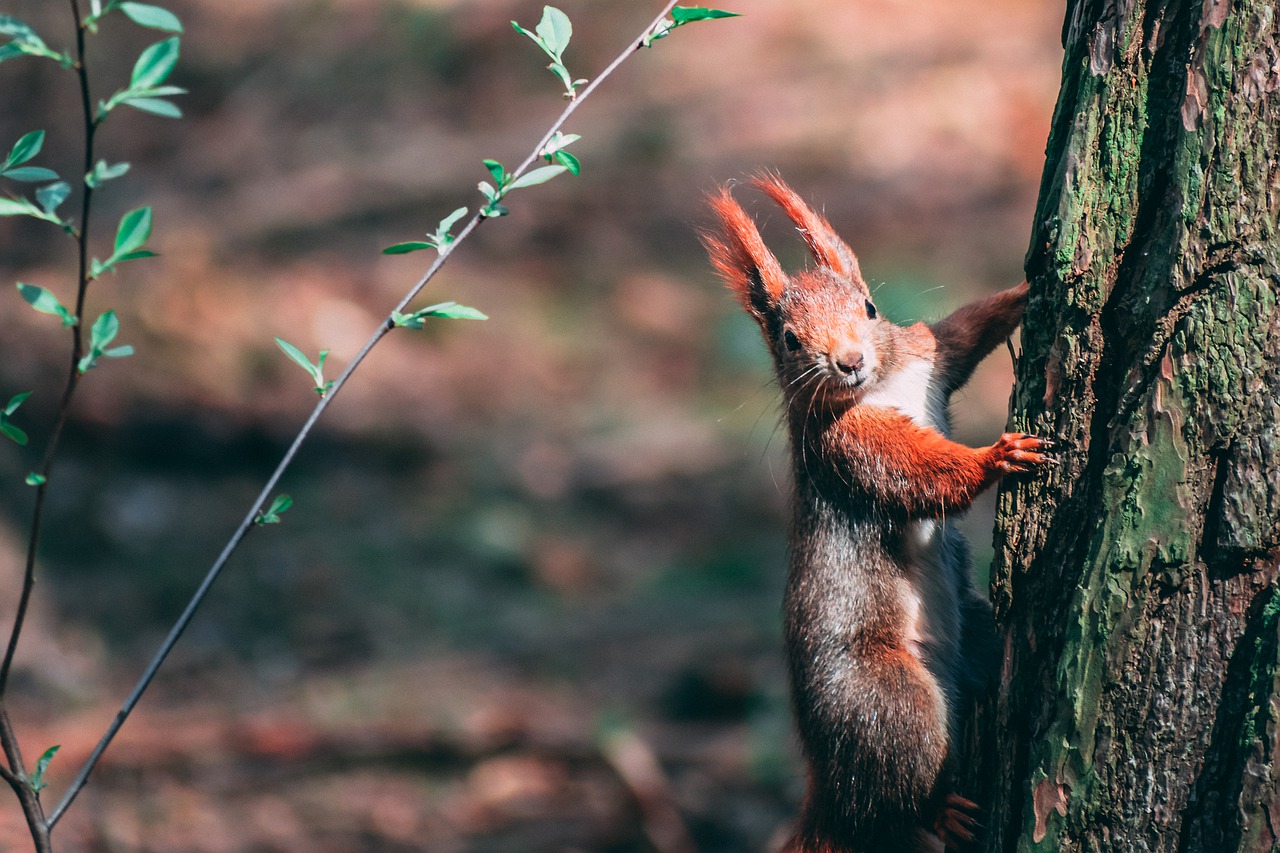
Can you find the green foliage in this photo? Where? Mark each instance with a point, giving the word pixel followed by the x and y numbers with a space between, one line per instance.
pixel 279 505
pixel 682 15
pixel 505 183
pixel 103 332
pixel 46 303
pixel 142 14
pixel 25 42
pixel 447 310
pixel 7 428
pixel 153 17
pixel 554 151
pixel 42 766
pixel 144 91
pixel 552 35
pixel 23 150
pixel 439 241
pixel 316 370
pixel 102 173
pixel 133 231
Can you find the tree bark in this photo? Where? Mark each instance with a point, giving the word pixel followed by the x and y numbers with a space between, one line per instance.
pixel 1136 585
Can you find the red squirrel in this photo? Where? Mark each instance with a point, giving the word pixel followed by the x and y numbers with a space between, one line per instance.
pixel 887 638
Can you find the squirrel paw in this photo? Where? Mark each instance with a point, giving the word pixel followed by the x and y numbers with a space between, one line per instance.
pixel 956 824
pixel 1017 451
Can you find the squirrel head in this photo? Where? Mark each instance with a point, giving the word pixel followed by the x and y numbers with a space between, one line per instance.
pixel 828 344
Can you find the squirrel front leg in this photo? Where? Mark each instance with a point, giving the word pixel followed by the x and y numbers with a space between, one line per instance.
pixel 969 334
pixel 906 469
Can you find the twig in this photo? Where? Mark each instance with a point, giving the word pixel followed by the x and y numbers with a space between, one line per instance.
pixel 16 774
pixel 82 777
pixel 73 375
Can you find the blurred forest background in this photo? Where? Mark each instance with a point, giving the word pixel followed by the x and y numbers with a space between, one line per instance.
pixel 528 597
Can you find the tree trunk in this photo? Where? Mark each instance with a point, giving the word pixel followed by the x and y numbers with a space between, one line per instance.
pixel 1139 703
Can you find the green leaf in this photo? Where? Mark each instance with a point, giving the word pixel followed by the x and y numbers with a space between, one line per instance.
pixel 46 303
pixel 540 175
pixel 690 14
pixel 454 311
pixel 138 255
pixel 34 479
pixel 536 38
pixel 25 149
pixel 31 174
pixel 103 172
pixel 145 15
pixel 15 401
pixel 42 766
pixel 18 207
pixel 569 161
pixel 134 230
pixel 52 196
pixel 555 30
pixel 300 358
pixel 448 310
pixel 104 330
pixel 155 106
pixel 12 433
pixel 496 169
pixel 278 507
pixel 155 64
pixel 449 221
pixel 406 248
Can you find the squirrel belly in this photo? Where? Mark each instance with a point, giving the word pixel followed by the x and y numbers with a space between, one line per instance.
pixel 887 638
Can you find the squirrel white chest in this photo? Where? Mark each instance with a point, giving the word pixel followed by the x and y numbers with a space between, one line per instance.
pixel 910 391
pixel 926 590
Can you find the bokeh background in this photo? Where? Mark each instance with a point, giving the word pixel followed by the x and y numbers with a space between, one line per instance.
pixel 528 597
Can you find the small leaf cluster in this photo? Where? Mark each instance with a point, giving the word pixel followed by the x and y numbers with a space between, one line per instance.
pixel 142 14
pixel 554 151
pixel 441 240
pixel 48 197
pixel 680 16
pixel 316 370
pixel 145 91
pixel 26 149
pixel 42 767
pixel 133 231
pixel 552 35
pixel 279 505
pixel 101 334
pixel 447 310
pixel 504 183
pixel 25 42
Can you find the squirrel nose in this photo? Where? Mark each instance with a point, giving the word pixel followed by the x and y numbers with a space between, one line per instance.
pixel 849 361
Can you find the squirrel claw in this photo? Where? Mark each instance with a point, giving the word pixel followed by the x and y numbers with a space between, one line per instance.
pixel 956 824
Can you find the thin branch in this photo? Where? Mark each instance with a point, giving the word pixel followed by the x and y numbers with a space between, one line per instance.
pixel 158 659
pixel 73 374
pixel 16 776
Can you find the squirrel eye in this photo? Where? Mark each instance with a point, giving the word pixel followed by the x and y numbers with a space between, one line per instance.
pixel 792 342
pixel 871 310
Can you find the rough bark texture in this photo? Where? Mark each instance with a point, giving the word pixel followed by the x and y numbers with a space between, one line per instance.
pixel 1139 705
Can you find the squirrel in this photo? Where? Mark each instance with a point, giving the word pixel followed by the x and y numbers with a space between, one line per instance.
pixel 887 638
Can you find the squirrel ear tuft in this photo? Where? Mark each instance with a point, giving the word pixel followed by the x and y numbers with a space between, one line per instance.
pixel 827 248
pixel 744 262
